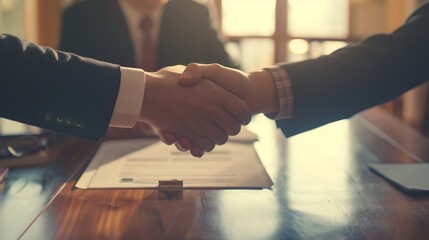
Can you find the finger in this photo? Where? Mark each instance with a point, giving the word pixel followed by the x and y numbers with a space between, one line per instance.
pixel 191 75
pixel 221 137
pixel 214 133
pixel 177 145
pixel 193 139
pixel 167 137
pixel 196 151
pixel 230 79
pixel 209 147
pixel 184 143
pixel 236 107
pixel 229 124
pixel 204 144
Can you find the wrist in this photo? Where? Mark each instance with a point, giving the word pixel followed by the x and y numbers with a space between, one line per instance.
pixel 150 90
pixel 264 95
pixel 128 104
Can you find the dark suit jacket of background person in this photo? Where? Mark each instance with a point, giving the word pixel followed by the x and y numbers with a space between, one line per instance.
pixel 55 90
pixel 98 29
pixel 359 76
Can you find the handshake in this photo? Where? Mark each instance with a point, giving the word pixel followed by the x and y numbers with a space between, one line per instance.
pixel 198 106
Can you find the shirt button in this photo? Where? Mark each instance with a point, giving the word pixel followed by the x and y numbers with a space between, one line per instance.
pixel 60 119
pixel 69 121
pixel 49 116
pixel 79 123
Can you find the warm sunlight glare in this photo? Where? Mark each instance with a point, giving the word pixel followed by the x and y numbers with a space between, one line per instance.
pixel 248 17
pixel 298 46
pixel 318 18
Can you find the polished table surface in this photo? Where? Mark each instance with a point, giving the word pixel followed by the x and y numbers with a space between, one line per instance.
pixel 322 189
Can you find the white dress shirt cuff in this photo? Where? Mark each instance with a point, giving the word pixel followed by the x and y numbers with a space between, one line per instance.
pixel 130 98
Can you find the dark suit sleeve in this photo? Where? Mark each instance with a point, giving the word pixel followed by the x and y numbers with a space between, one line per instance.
pixel 56 90
pixel 188 35
pixel 359 76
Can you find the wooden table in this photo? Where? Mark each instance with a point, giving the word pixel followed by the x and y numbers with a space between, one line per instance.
pixel 322 189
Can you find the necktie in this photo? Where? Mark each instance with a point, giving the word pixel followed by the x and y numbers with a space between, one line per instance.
pixel 149 47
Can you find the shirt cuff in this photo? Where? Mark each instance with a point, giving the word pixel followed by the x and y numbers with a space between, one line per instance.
pixel 130 98
pixel 284 93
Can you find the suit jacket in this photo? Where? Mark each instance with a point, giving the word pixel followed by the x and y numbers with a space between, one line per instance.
pixel 359 76
pixel 56 90
pixel 98 29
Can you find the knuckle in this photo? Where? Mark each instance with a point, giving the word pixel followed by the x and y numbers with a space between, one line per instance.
pixel 213 115
pixel 192 65
pixel 216 66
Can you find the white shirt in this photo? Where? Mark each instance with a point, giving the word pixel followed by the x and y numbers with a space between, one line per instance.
pixel 130 98
pixel 131 91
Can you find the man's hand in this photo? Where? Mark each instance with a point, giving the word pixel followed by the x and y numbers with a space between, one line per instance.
pixel 256 88
pixel 205 114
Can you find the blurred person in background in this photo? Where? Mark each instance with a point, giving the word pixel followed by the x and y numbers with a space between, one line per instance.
pixel 148 34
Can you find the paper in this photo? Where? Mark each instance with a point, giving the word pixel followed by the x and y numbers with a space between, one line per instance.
pixel 410 177
pixel 245 136
pixel 141 163
pixel 12 128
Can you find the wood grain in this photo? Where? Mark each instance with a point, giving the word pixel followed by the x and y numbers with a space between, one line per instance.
pixel 322 189
pixel 26 191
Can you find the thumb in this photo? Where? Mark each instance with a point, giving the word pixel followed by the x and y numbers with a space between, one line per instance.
pixel 191 75
pixel 232 80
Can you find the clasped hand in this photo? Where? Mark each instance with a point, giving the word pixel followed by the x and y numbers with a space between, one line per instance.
pixel 195 118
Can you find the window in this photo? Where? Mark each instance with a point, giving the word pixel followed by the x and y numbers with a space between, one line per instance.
pixel 262 32
pixel 11 17
pixel 318 18
pixel 248 17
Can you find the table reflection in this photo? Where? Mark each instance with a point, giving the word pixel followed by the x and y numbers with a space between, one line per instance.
pixel 322 189
pixel 312 194
pixel 22 197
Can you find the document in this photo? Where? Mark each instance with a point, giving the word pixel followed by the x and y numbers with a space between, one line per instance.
pixel 245 136
pixel 142 163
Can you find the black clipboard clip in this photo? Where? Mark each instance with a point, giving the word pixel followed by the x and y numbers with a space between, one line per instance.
pixel 171 189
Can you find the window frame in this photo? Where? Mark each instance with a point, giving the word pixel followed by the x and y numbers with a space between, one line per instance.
pixel 280 37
